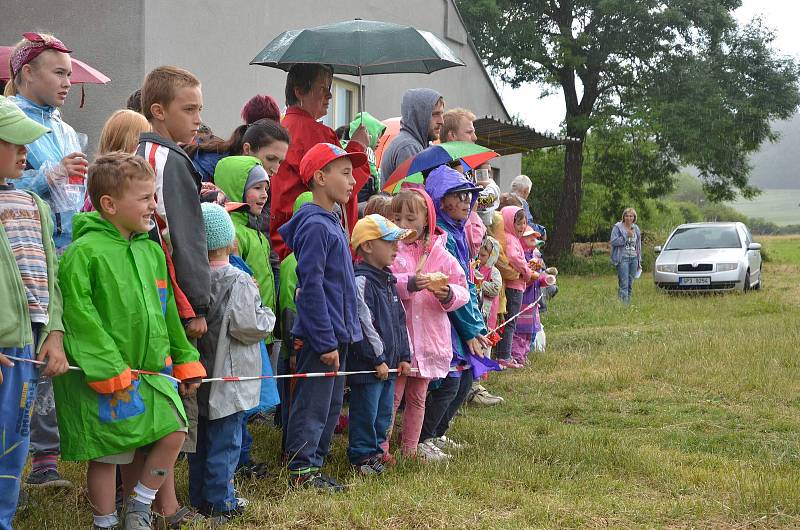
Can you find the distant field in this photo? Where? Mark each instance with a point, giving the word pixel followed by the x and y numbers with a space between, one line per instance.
pixel 782 207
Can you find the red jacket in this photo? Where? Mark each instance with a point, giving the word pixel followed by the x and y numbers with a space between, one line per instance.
pixel 305 132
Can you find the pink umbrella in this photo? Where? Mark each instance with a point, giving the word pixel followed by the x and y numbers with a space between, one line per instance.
pixel 81 72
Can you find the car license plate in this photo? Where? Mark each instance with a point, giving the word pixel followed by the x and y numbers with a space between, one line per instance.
pixel 694 280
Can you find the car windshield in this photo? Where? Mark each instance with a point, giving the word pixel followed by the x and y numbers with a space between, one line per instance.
pixel 704 237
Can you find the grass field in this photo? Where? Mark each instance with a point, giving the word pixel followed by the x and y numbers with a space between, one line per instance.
pixel 678 412
pixel 782 207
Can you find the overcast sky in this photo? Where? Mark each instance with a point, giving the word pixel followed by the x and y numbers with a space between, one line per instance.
pixel 546 114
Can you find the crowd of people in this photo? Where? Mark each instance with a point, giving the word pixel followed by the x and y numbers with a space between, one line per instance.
pixel 176 256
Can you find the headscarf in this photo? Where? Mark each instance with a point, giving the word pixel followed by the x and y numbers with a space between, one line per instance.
pixel 33 46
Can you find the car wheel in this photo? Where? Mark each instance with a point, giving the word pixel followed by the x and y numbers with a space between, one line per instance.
pixel 746 286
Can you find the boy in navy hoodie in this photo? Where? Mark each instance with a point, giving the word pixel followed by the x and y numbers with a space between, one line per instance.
pixel 327 312
pixel 385 345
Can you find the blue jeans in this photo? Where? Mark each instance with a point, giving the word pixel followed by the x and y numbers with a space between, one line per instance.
pixel 212 466
pixel 626 271
pixel 316 405
pixel 513 305
pixel 17 395
pixel 370 418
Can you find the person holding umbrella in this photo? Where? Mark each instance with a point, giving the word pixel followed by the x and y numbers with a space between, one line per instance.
pixel 308 94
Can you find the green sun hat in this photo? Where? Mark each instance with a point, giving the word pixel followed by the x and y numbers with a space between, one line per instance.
pixel 15 127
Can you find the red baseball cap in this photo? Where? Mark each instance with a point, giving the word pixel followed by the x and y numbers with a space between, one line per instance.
pixel 323 154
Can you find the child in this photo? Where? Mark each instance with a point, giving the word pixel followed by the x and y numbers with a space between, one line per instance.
pixel 171 102
pixel 514 224
pixel 527 324
pixel 490 280
pixel 327 312
pixel 237 322
pixel 426 312
pixel 489 283
pixel 30 325
pixel 453 198
pixel 288 312
pixel 120 133
pixel 244 180
pixel 385 347
pixel 120 315
pixel 40 70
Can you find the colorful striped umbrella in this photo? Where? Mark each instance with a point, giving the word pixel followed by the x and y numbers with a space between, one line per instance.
pixel 416 169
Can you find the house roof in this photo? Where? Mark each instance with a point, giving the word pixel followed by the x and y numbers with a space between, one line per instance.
pixel 507 138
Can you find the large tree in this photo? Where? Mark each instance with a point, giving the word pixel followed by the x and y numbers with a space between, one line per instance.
pixel 700 86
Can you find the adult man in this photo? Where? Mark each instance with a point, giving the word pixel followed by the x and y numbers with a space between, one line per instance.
pixel 421 121
pixel 457 126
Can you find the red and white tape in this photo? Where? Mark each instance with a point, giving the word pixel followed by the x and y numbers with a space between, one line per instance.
pixel 241 378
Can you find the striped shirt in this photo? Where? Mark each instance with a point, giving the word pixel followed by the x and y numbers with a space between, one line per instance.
pixel 20 217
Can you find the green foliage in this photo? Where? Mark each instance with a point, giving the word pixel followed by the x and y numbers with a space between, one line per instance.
pixel 662 84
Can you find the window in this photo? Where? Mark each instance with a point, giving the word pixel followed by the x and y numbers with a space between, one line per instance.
pixel 344 103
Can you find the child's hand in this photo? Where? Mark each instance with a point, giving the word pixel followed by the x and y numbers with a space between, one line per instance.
pixel 52 352
pixel 188 387
pixel 331 359
pixel 442 293
pixel 478 344
pixel 75 164
pixel 5 361
pixel 382 372
pixel 422 281
pixel 196 327
pixel 361 136
pixel 404 368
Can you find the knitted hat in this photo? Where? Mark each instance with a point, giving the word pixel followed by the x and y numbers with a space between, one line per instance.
pixel 219 227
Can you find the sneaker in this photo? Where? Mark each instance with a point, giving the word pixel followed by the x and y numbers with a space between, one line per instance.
pixel 429 452
pixel 137 515
pixel 371 466
pixel 184 516
pixel 315 480
pixel 443 442
pixel 253 470
pixel 481 396
pixel 47 478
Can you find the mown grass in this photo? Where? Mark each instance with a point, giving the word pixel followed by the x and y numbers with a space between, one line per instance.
pixel 675 412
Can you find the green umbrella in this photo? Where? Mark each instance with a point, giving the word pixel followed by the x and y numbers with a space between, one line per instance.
pixel 360 47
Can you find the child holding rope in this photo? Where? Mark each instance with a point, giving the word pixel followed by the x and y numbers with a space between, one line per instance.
pixel 120 315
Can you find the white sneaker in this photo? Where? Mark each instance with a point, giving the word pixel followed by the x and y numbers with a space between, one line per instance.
pixel 430 453
pixel 481 396
pixel 443 442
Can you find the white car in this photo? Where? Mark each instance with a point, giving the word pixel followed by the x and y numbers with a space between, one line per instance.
pixel 709 257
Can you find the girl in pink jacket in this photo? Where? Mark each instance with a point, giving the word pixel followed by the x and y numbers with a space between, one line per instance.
pixel 515 223
pixel 426 307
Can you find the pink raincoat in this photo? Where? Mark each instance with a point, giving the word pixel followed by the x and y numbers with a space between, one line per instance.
pixel 426 317
pixel 475 230
pixel 514 250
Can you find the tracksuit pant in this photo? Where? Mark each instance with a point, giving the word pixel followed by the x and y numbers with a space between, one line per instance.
pixel 17 396
pixel 314 413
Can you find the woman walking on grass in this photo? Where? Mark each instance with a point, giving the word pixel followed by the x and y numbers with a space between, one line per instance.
pixel 626 252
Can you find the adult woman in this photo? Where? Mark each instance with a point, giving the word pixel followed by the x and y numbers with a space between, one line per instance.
pixel 626 252
pixel 308 93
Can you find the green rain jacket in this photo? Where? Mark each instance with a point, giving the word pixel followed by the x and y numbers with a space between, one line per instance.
pixel 230 176
pixel 375 129
pixel 119 315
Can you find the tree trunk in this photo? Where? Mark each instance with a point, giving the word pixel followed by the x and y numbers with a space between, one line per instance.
pixel 569 207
